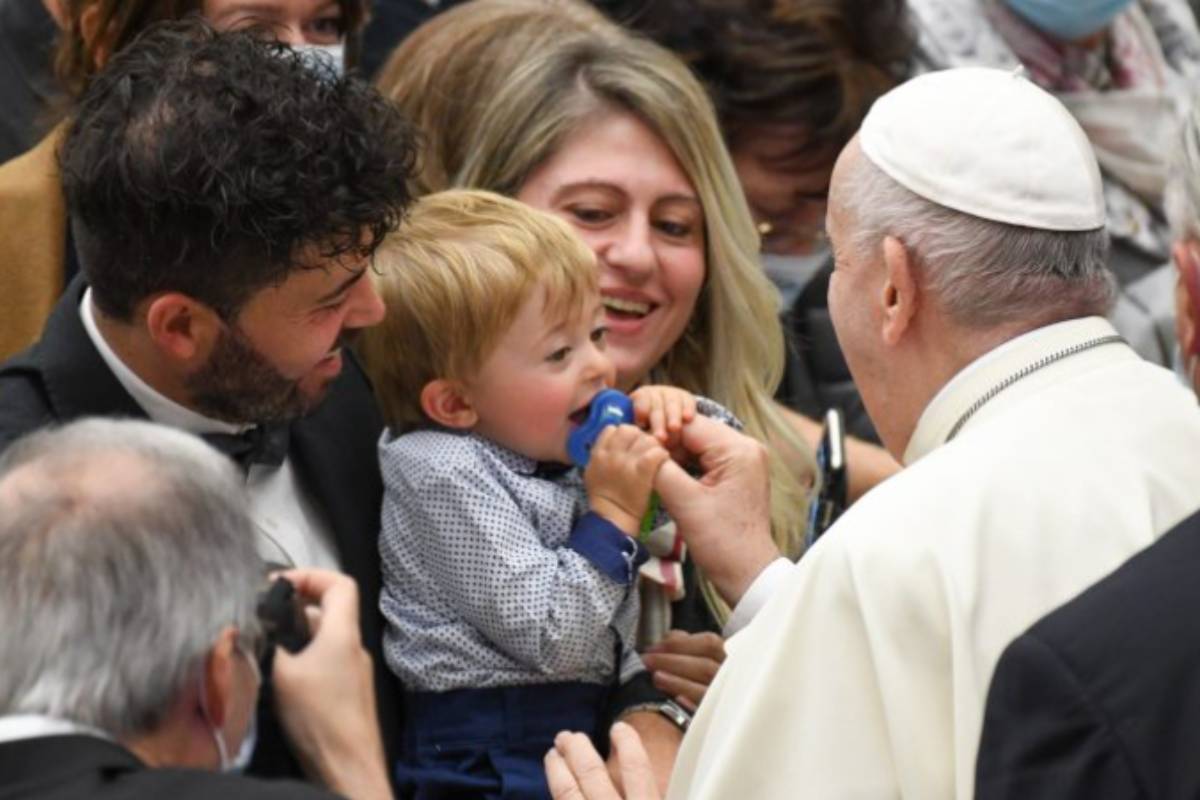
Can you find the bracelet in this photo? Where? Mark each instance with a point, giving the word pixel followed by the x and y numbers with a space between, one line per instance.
pixel 675 713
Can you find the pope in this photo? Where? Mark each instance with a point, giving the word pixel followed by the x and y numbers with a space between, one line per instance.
pixel 968 226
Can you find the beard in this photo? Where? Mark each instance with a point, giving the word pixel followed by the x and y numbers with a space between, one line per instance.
pixel 239 385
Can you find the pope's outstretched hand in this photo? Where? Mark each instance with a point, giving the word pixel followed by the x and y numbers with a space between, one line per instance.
pixel 724 515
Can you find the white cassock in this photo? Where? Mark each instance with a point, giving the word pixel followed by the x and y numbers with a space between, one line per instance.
pixel 865 675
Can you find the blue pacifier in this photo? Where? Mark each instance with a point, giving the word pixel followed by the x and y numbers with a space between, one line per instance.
pixel 609 407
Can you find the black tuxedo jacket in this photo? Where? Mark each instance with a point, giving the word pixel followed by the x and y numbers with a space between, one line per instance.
pixel 71 767
pixel 1101 698
pixel 333 450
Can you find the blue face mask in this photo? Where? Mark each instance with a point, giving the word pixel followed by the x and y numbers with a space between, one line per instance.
pixel 1069 20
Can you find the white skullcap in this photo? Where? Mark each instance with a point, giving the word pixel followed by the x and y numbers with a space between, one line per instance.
pixel 988 143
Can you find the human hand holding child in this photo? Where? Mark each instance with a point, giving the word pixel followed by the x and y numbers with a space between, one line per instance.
pixel 620 475
pixel 663 411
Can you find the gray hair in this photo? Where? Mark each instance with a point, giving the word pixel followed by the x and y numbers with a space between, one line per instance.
pixel 124 550
pixel 983 273
pixel 1182 199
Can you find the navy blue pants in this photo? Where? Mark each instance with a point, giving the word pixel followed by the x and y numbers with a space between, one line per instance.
pixel 490 743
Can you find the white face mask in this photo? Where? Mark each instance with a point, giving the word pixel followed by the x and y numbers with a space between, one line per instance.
pixel 331 56
pixel 245 752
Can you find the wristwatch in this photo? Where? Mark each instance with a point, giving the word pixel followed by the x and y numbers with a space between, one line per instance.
pixel 674 712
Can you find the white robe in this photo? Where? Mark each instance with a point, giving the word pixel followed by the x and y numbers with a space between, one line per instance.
pixel 865 675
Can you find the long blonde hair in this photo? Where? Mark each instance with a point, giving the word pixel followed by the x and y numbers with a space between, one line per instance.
pixel 733 349
pixel 442 75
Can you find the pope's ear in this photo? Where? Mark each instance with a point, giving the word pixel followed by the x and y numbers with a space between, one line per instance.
pixel 181 328
pixel 446 403
pixel 899 294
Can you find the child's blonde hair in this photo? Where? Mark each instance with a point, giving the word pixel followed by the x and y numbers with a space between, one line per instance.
pixel 454 277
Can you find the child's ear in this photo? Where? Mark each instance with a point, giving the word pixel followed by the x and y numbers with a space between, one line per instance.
pixel 445 402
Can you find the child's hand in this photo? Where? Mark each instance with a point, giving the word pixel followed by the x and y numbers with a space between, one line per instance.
pixel 663 410
pixel 620 475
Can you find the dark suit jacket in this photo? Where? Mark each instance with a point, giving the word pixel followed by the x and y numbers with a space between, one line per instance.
pixel 333 451
pixel 1101 699
pixel 72 767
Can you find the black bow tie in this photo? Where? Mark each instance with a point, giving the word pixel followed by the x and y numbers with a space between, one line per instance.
pixel 262 444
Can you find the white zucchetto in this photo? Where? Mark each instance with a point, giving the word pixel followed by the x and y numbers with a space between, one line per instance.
pixel 988 143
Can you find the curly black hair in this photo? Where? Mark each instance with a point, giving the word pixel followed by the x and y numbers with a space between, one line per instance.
pixel 216 164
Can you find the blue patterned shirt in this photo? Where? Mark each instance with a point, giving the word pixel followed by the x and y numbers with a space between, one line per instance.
pixel 495 573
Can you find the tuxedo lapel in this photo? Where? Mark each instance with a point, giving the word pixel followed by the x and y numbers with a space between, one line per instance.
pixel 334 453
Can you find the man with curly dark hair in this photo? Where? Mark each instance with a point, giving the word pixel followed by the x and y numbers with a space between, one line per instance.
pixel 36 263
pixel 225 200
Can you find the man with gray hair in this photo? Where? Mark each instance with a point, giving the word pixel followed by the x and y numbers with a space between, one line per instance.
pixel 128 631
pixel 967 222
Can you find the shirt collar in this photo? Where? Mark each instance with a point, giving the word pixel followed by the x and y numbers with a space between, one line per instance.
pixel 985 372
pixel 15 727
pixel 158 407
pixel 511 459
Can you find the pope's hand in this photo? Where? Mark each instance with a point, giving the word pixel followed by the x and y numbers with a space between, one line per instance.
pixel 725 515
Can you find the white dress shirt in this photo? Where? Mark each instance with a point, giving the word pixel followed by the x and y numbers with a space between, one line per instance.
pixel 291 530
pixel 16 727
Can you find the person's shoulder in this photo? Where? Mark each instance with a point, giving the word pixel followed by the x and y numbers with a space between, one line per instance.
pixel 437 447
pixel 352 391
pixel 34 174
pixel 1138 602
pixel 348 417
pixel 24 403
pixel 433 456
pixel 186 784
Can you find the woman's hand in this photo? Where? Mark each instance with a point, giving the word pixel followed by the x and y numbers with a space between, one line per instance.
pixel 684 665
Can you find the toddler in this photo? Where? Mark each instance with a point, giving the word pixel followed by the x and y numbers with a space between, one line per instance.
pixel 508 576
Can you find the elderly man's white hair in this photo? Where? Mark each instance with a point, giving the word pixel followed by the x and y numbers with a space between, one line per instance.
pixel 983 273
pixel 124 550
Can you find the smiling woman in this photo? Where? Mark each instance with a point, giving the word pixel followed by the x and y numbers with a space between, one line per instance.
pixel 613 134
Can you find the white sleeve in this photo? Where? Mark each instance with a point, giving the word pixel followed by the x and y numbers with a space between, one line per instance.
pixel 757 595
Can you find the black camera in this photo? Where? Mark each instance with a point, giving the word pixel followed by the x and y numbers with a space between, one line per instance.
pixel 280 610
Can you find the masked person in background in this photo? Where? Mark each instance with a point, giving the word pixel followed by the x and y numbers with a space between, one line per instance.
pixel 37 256
pixel 1124 70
